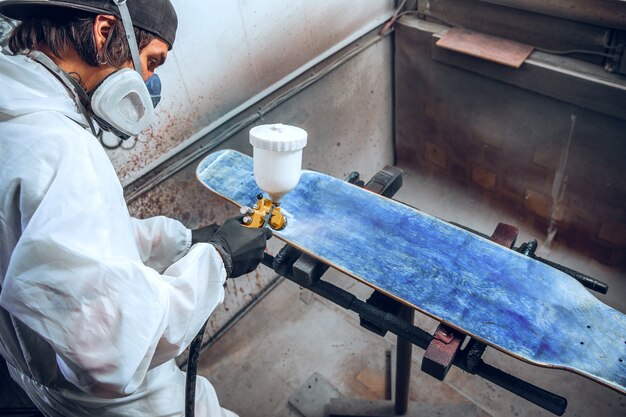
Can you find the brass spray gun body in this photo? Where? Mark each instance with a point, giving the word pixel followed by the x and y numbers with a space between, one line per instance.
pixel 265 211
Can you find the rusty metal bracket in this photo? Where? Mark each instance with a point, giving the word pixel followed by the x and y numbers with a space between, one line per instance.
pixel 440 353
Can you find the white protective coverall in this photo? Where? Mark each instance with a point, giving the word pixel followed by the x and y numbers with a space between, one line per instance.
pixel 94 304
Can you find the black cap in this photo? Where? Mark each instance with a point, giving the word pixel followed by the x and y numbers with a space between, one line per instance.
pixel 155 16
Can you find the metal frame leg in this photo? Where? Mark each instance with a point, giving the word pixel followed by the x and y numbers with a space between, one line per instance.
pixel 404 350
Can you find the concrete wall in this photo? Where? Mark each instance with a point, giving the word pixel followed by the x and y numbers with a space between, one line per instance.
pixel 552 157
pixel 228 55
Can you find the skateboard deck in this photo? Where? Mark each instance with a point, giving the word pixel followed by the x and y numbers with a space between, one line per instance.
pixel 511 302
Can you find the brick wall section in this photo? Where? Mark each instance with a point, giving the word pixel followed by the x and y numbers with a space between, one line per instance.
pixel 548 161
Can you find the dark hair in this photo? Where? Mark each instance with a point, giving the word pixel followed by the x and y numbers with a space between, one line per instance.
pixel 75 29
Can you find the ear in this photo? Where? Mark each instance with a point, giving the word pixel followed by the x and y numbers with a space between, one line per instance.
pixel 102 28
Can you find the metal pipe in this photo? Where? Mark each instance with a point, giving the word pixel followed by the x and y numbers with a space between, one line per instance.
pixel 539 30
pixel 540 397
pixel 608 13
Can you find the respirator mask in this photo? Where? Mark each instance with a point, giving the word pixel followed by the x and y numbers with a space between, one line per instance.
pixel 123 103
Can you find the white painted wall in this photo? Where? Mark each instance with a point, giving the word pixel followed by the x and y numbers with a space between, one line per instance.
pixel 230 53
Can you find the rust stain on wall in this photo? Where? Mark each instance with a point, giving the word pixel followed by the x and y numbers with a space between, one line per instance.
pixel 172 127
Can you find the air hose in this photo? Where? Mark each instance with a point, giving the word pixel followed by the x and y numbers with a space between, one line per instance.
pixel 192 372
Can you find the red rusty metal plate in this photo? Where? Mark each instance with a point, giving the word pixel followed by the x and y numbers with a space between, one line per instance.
pixel 503 51
pixel 441 352
pixel 505 235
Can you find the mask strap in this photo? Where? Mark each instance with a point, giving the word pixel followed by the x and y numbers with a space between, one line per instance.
pixel 130 34
pixel 70 84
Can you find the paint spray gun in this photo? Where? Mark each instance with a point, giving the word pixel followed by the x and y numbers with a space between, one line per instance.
pixel 277 162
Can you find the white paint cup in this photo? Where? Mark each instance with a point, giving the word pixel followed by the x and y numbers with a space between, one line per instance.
pixel 277 156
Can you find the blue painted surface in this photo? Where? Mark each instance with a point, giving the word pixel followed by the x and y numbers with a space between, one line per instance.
pixel 509 301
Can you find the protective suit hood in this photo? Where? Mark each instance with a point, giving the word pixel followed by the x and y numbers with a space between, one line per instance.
pixel 28 87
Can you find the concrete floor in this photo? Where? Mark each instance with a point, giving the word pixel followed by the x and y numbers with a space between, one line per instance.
pixel 290 334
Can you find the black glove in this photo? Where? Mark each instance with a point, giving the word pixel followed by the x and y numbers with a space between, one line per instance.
pixel 203 234
pixel 241 247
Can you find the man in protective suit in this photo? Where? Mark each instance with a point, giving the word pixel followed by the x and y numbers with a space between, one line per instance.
pixel 94 304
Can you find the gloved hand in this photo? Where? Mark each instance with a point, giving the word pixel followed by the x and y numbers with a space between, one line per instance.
pixel 203 234
pixel 241 247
